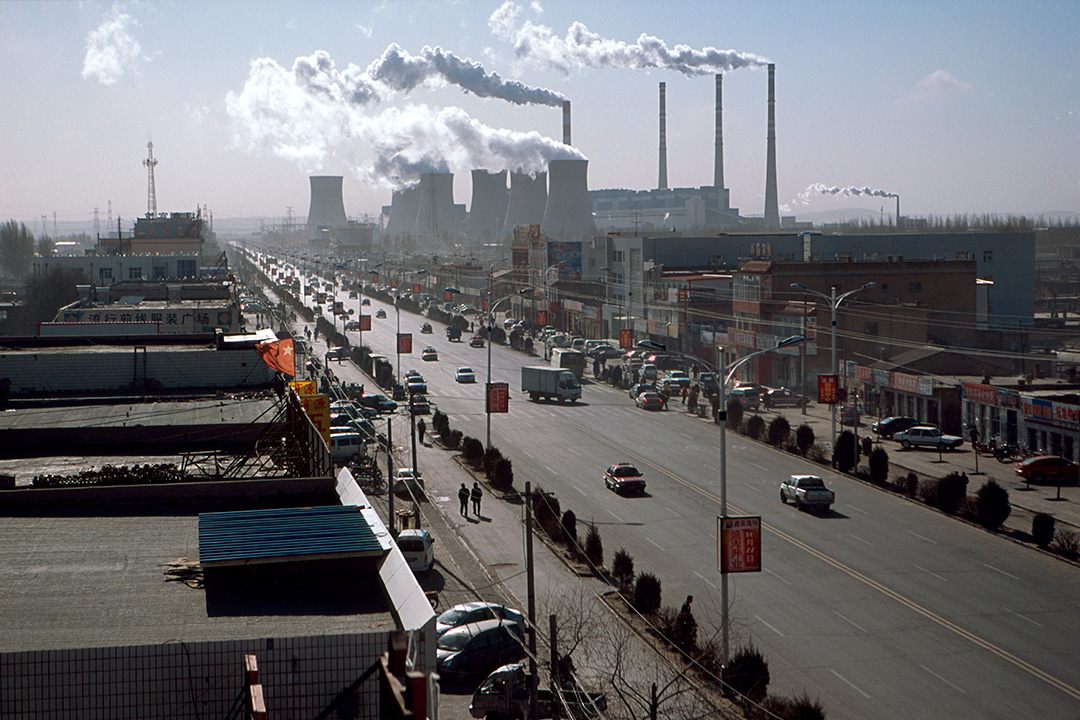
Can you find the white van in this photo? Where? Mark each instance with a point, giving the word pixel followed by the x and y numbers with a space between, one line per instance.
pixel 345 446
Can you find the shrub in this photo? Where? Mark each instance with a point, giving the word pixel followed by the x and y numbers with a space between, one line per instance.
pixel 779 429
pixel 622 569
pixel 503 477
pixel 647 594
pixel 686 632
pixel 992 505
pixel 878 464
pixel 909 484
pixel 798 708
pixel 546 510
pixel 569 525
pixel 492 455
pixel 594 547
pixel 473 450
pixel 1068 542
pixel 1042 530
pixel 804 438
pixel 734 412
pixel 747 674
pixel 845 452
pixel 755 427
pixel 453 441
pixel 948 492
pixel 440 422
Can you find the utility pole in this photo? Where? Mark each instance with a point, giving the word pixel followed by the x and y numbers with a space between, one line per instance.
pixel 533 706
pixel 390 473
pixel 553 633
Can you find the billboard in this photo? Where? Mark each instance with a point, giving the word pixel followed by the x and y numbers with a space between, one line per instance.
pixel 404 343
pixel 740 544
pixel 567 257
pixel 828 389
pixel 498 397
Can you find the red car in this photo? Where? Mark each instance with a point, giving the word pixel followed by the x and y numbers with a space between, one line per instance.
pixel 476 341
pixel 624 477
pixel 1047 467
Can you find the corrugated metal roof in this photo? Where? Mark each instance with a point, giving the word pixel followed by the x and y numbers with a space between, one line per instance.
pixel 265 536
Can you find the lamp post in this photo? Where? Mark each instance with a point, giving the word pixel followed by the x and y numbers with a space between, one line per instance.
pixel 723 376
pixel 834 302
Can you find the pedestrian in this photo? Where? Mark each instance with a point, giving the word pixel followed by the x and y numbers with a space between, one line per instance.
pixel 684 393
pixel 476 494
pixel 663 396
pixel 420 428
pixel 974 434
pixel 686 605
pixel 463 497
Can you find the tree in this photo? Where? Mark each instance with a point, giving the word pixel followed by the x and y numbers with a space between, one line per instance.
pixel 16 249
pixel 622 569
pixel 948 493
pixel 992 505
pixel 779 429
pixel 844 453
pixel 647 593
pixel 46 247
pixel 569 525
pixel 594 547
pixel 804 438
pixel 734 413
pixel 755 426
pixel 1042 530
pixel 879 466
pixel 747 674
pixel 47 292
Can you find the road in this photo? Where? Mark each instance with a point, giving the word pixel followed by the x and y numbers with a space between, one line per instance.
pixel 881 608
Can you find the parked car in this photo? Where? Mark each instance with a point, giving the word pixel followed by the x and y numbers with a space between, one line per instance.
pixel 418 547
pixel 426 329
pixel 708 384
pixel 676 380
pixel 365 301
pixel 782 397
pixel 352 325
pixel 888 427
pixel 419 405
pixel 848 413
pixel 474 612
pixel 429 353
pixel 636 390
pixel 476 341
pixel 478 648
pixel 380 313
pixel 416 386
pixel 1049 468
pixel 748 395
pixel 806 491
pixel 465 375
pixel 624 478
pixel 649 401
pixel 378 402
pixel 927 436
pixel 408 480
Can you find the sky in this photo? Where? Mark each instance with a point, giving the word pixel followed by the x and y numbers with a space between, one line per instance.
pixel 957 107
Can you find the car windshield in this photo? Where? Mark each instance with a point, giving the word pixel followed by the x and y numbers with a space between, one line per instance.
pixel 465 371
pixel 453 616
pixel 626 471
pixel 453 641
pixel 812 483
pixel 411 544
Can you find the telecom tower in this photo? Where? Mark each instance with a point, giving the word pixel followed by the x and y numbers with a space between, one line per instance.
pixel 151 192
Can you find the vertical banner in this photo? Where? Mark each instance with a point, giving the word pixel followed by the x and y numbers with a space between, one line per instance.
pixel 317 408
pixel 498 397
pixel 541 318
pixel 626 338
pixel 416 288
pixel 740 544
pixel 404 343
pixel 365 323
pixel 447 296
pixel 827 389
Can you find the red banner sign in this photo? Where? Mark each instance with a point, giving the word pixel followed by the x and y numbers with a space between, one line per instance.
pixel 740 544
pixel 498 397
pixel 404 343
pixel 541 318
pixel 827 386
pixel 365 323
pixel 626 338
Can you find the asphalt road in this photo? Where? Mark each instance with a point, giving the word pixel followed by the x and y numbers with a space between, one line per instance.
pixel 881 608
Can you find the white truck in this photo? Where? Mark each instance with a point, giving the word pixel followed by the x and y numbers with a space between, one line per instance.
pixel 541 381
pixel 807 491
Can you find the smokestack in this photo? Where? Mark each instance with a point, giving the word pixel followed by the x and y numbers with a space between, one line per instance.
pixel 435 214
pixel 718 160
pixel 897 212
pixel 404 205
pixel 662 182
pixel 772 207
pixel 528 197
pixel 488 208
pixel 327 208
pixel 566 122
pixel 568 213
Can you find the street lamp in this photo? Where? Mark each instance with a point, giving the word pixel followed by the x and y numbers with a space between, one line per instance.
pixel 723 378
pixel 834 302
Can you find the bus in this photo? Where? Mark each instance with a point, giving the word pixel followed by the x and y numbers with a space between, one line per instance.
pixel 568 359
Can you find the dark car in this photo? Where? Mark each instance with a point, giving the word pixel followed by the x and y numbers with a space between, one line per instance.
pixel 1049 468
pixel 419 405
pixel 887 427
pixel 426 329
pixel 377 402
pixel 380 313
pixel 478 648
pixel 453 334
pixel 782 397
pixel 476 341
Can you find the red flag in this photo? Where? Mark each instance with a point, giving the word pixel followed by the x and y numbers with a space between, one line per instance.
pixel 278 355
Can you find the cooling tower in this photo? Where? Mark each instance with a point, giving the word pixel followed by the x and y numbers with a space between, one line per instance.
pixel 403 208
pixel 435 214
pixel 662 182
pixel 718 160
pixel 568 213
pixel 566 122
pixel 327 208
pixel 528 198
pixel 772 207
pixel 489 200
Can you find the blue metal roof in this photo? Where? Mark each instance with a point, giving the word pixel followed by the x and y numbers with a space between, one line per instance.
pixel 264 536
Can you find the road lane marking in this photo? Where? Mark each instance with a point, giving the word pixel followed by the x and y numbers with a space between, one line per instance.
pixel 861 539
pixel 769 626
pixel 781 579
pixel 942 579
pixel 849 620
pixel 751 487
pixel 616 516
pixel 858 509
pixel 762 467
pixel 550 471
pixel 921 537
pixel 954 687
pixel 581 491
pixel 1001 571
pixel 850 684
pixel 888 592
pixel 705 580
pixel 1022 617
pixel 655 543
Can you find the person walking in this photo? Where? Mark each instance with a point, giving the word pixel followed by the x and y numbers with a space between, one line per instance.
pixel 421 427
pixel 463 497
pixel 476 495
pixel 684 393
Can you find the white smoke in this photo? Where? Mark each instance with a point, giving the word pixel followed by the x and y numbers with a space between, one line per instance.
pixel 313 111
pixel 110 49
pixel 818 189
pixel 401 71
pixel 582 48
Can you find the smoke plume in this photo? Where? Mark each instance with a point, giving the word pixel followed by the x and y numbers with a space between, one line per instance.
pixel 819 189
pixel 401 71
pixel 582 48
pixel 110 49
pixel 313 112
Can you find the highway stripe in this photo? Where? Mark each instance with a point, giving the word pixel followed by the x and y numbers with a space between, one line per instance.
pixel 933 542
pixel 850 684
pixel 1001 571
pixel 866 580
pixel 849 621
pixel 705 580
pixel 861 539
pixel 954 687
pixel 758 617
pixel 933 574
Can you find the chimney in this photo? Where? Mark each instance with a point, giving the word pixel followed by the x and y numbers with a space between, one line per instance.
pixel 404 204
pixel 718 159
pixel 528 196
pixel 566 122
pixel 488 208
pixel 327 208
pixel 435 214
pixel 662 182
pixel 897 212
pixel 772 207
pixel 568 213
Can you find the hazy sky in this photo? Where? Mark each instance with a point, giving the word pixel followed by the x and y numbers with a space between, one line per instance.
pixel 960 107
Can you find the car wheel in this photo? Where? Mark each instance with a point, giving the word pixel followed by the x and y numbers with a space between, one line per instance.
pixel 906 444
pixel 798 504
pixel 782 498
pixel 1037 477
pixel 940 446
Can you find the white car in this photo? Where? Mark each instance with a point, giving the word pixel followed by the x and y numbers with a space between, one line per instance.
pixel 407 480
pixel 418 547
pixel 465 375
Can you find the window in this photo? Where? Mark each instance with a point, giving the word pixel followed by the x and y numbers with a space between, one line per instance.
pixel 134 273
pixel 159 272
pixel 884 287
pixel 106 274
pixel 914 286
pixel 988 256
